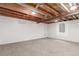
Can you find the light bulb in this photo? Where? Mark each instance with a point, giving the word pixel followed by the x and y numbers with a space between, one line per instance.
pixel 33 13
pixel 73 8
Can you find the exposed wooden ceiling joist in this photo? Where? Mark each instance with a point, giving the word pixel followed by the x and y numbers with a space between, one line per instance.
pixel 8 12
pixel 44 12
pixel 39 9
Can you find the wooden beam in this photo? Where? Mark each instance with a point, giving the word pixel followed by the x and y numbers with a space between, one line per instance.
pixel 62 16
pixel 53 8
pixel 11 13
pixel 52 15
pixel 19 8
pixel 39 8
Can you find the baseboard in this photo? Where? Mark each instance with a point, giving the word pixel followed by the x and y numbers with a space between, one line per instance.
pixel 65 40
pixel 22 41
pixel 39 38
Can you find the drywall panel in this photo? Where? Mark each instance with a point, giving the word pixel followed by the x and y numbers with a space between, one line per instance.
pixel 15 30
pixel 71 31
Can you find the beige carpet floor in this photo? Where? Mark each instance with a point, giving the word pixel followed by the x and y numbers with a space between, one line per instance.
pixel 40 47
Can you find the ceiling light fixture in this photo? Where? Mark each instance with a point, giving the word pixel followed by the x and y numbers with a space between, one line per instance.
pixel 33 13
pixel 73 8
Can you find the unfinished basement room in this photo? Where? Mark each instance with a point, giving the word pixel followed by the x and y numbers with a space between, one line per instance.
pixel 39 29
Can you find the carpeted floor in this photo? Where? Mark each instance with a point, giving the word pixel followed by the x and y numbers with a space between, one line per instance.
pixel 40 47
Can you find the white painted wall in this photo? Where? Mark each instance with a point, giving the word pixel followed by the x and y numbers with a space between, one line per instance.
pixel 14 30
pixel 71 31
